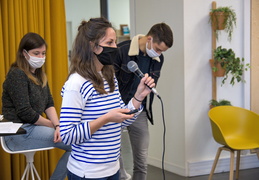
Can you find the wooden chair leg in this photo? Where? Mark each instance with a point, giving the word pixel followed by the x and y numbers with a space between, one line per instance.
pixel 215 163
pixel 232 160
pixel 237 164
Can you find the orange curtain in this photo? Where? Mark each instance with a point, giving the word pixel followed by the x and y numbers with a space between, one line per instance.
pixel 47 18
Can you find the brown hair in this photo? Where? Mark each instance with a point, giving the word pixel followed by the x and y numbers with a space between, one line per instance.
pixel 161 32
pixel 82 57
pixel 28 42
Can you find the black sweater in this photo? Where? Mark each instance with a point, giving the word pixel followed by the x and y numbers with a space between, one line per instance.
pixel 22 100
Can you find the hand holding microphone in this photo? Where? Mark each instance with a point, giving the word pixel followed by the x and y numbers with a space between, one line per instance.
pixel 133 67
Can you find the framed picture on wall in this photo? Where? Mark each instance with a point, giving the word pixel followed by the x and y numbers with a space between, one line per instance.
pixel 124 29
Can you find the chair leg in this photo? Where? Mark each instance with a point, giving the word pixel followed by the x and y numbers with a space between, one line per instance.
pixel 215 162
pixel 33 169
pixel 237 164
pixel 30 168
pixel 232 160
pixel 26 172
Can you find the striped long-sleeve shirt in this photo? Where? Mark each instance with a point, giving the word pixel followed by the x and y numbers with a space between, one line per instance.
pixel 96 155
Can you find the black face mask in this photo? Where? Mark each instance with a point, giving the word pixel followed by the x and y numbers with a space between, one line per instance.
pixel 107 56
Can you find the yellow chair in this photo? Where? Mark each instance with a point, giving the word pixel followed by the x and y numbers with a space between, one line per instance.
pixel 236 129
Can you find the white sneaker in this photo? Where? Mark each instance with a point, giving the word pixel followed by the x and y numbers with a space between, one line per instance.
pixel 128 176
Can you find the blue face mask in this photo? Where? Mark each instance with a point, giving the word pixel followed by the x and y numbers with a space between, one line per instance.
pixel 107 56
pixel 151 52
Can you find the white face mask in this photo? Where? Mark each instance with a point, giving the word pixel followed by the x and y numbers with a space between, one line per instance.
pixel 35 62
pixel 151 52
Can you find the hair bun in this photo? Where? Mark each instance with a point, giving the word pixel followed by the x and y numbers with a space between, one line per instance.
pixel 82 24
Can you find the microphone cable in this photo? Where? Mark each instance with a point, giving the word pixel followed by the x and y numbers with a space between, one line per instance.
pixel 133 67
pixel 164 135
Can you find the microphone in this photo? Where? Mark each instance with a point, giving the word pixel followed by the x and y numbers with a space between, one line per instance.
pixel 133 67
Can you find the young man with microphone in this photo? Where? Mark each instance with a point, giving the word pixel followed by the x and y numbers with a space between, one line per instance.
pixel 142 54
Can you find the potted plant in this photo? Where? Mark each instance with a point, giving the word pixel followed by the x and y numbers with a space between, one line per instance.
pixel 223 18
pixel 223 102
pixel 233 65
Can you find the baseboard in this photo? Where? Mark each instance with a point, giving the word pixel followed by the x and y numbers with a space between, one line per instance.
pixel 204 167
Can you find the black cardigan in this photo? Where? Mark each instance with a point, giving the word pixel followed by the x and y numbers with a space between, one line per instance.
pixel 22 100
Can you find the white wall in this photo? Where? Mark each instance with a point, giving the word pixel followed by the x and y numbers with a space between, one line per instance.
pixel 78 10
pixel 171 83
pixel 118 11
pixel 197 40
pixel 185 83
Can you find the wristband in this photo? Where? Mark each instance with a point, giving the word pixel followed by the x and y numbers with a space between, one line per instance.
pixel 56 126
pixel 136 99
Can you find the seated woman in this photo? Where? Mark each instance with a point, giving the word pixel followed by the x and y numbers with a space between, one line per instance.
pixel 26 96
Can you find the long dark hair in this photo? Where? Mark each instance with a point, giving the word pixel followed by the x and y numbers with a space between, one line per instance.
pixel 82 57
pixel 30 41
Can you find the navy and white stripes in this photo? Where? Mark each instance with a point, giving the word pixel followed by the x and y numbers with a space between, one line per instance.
pixel 82 104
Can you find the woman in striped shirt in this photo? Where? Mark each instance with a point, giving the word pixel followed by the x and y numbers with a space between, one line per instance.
pixel 92 112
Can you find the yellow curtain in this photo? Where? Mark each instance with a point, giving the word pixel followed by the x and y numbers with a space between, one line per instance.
pixel 47 18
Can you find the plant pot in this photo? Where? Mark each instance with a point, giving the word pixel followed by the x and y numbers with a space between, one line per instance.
pixel 220 72
pixel 218 20
pixel 211 106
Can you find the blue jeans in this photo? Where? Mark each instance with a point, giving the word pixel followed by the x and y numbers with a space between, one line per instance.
pixel 72 176
pixel 40 137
